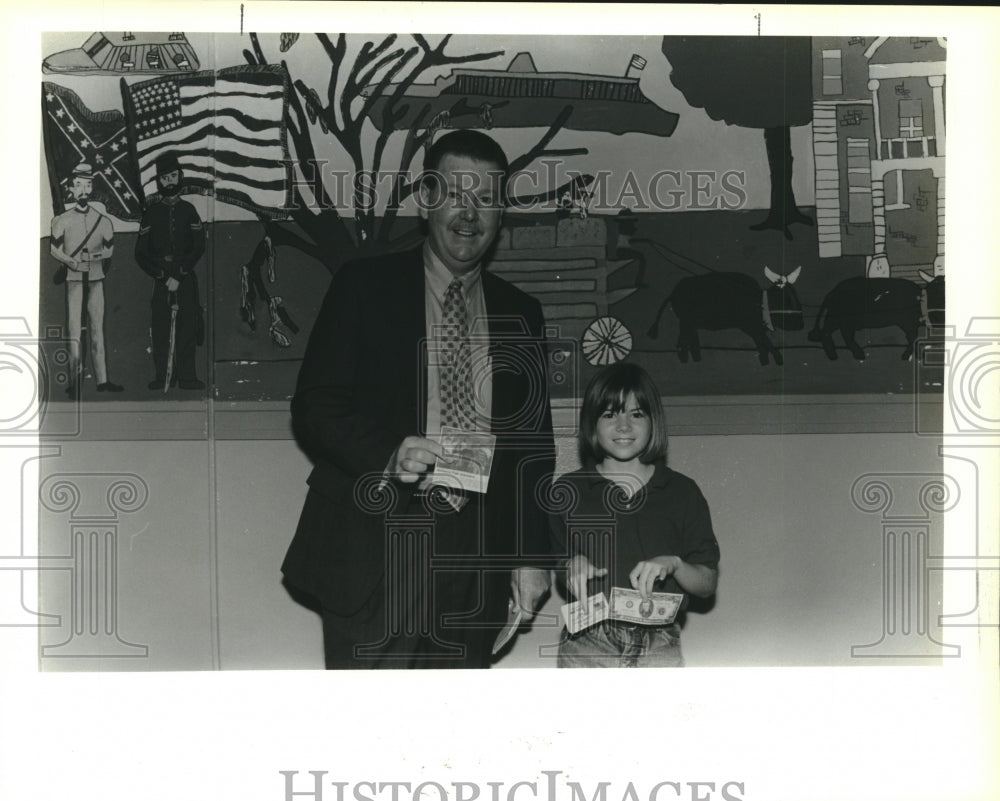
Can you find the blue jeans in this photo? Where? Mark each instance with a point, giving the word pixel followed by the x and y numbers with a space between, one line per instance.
pixel 616 644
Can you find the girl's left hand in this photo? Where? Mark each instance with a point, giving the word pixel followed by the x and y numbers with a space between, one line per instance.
pixel 649 571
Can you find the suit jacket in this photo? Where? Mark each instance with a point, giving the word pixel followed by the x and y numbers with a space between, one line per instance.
pixel 362 389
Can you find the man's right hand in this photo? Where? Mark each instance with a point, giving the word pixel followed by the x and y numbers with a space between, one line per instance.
pixel 579 571
pixel 414 457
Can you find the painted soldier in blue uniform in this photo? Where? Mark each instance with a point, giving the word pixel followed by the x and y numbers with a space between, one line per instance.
pixel 170 243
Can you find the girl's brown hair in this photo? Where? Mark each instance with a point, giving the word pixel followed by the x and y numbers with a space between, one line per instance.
pixel 608 390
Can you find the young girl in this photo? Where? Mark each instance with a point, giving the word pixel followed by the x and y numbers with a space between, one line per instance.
pixel 632 523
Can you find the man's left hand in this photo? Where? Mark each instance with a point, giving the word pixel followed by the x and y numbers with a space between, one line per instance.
pixel 527 586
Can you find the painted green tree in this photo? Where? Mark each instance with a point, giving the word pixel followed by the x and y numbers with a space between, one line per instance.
pixel 382 70
pixel 760 82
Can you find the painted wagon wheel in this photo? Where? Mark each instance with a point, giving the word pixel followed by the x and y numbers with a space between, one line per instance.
pixel 607 340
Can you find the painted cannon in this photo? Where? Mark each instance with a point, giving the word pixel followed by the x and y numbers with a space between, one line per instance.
pixel 719 301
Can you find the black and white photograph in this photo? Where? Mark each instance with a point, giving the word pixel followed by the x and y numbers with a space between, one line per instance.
pixel 450 337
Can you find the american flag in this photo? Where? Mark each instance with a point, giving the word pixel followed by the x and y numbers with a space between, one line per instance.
pixel 73 134
pixel 227 129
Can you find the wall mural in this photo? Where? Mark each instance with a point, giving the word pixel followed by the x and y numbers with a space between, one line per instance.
pixel 742 215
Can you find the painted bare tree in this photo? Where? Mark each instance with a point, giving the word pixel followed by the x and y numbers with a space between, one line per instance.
pixel 754 82
pixel 385 70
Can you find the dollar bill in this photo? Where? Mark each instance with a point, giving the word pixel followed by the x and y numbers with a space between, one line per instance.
pixel 468 459
pixel 629 606
pixel 580 615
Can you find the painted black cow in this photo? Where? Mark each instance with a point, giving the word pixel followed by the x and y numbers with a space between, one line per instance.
pixel 857 303
pixel 733 300
pixel 933 309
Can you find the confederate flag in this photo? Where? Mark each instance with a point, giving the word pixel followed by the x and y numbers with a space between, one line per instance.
pixel 73 134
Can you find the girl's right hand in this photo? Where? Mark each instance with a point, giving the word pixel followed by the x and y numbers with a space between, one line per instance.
pixel 579 570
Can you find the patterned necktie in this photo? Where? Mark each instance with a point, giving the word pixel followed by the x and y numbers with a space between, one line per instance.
pixel 458 408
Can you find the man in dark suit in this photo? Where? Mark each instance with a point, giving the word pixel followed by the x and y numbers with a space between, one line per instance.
pixel 170 244
pixel 408 574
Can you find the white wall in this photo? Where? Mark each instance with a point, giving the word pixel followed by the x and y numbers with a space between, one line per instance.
pixel 199 580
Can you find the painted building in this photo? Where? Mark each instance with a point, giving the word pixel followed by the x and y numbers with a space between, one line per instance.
pixel 522 97
pixel 878 139
pixel 126 53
